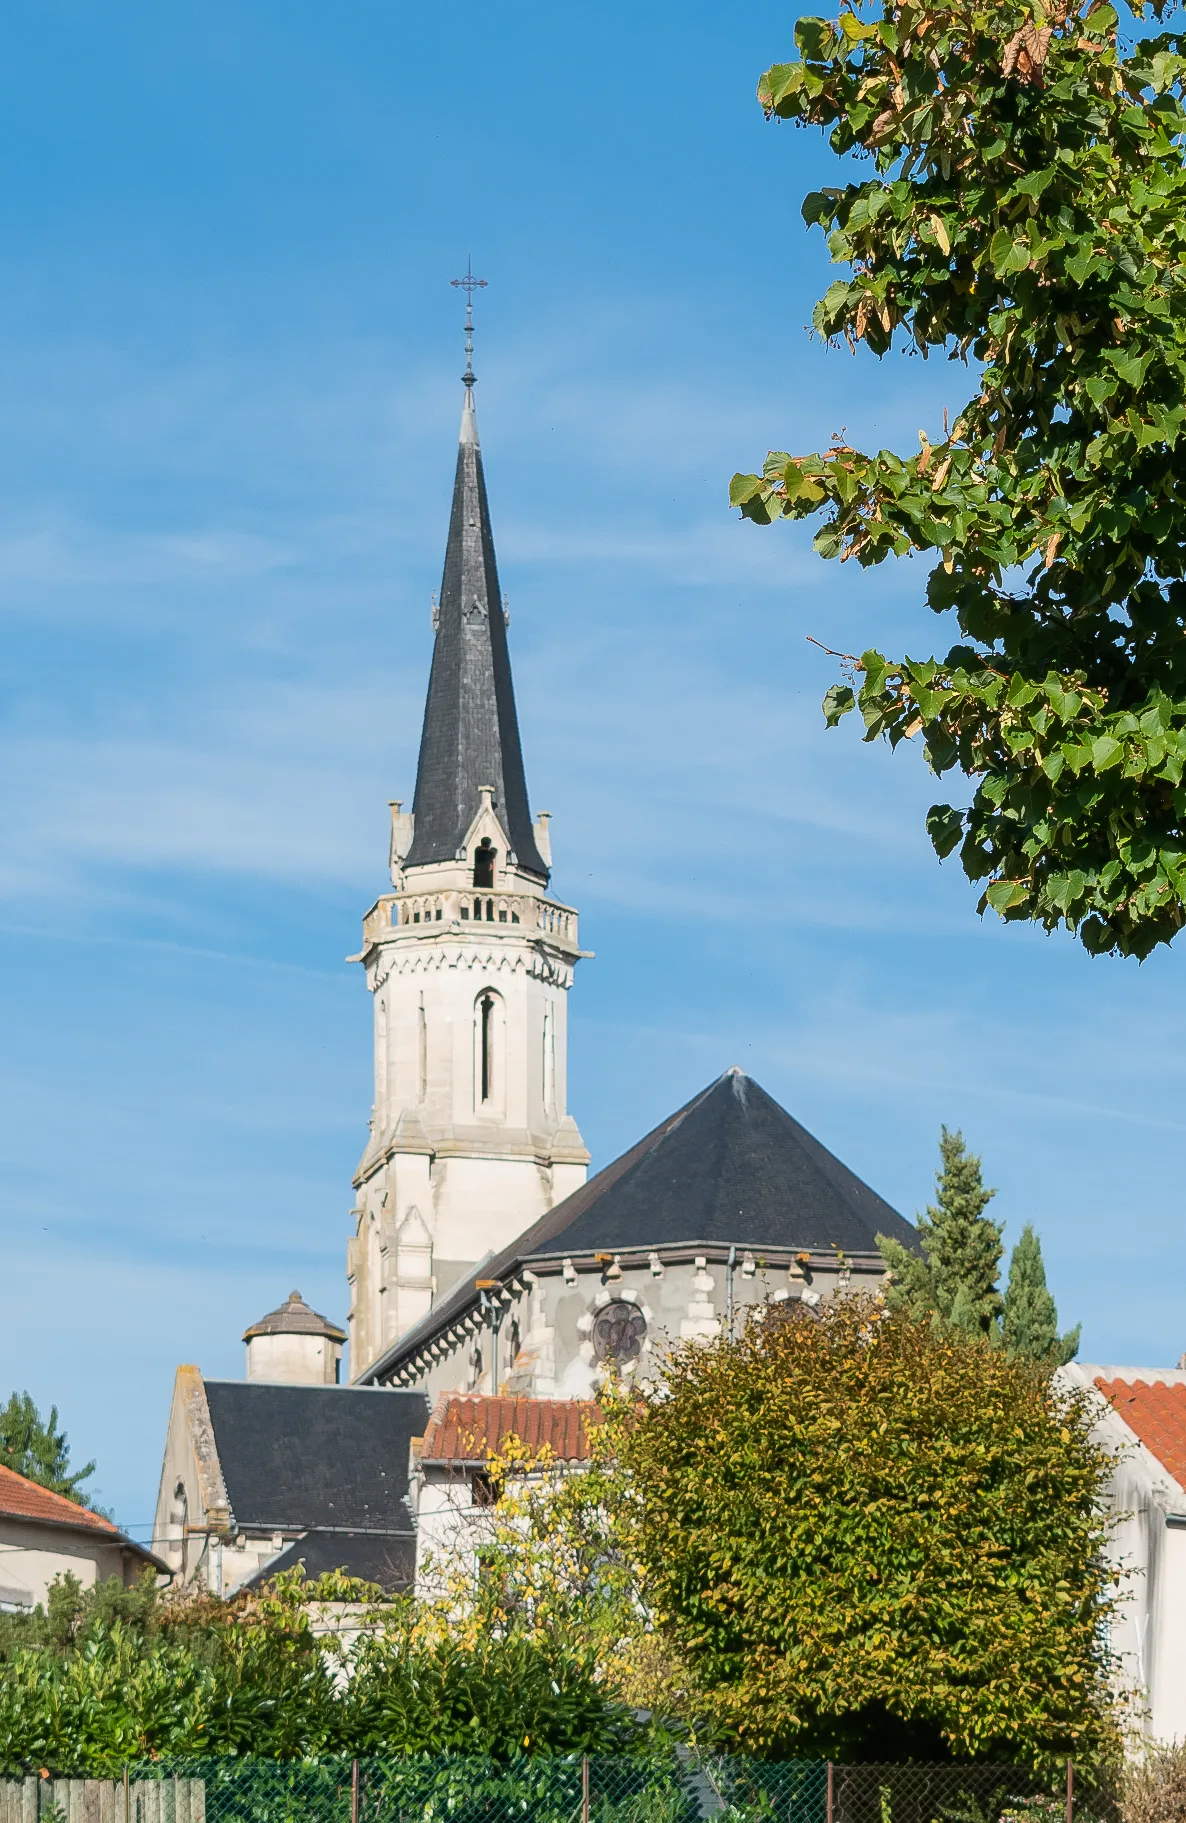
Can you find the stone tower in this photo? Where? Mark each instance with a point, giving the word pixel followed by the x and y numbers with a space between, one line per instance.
pixel 295 1345
pixel 469 962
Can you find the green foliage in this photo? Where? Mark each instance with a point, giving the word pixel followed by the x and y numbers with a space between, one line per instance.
pixel 106 1677
pixel 72 1611
pixel 89 1712
pixel 38 1449
pixel 872 1539
pixel 502 1695
pixel 1030 1323
pixel 1028 211
pixel 956 1276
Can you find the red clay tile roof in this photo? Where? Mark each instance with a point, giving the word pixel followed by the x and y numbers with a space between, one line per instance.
pixel 1156 1412
pixel 24 1499
pixel 466 1429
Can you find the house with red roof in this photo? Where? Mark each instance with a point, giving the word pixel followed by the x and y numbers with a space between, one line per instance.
pixel 1142 1421
pixel 43 1535
pixel 450 1481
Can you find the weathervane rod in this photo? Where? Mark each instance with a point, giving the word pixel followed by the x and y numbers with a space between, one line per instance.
pixel 469 284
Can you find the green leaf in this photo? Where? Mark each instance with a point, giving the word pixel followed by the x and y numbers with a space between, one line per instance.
pixel 746 487
pixel 945 826
pixel 815 38
pixel 1003 894
pixel 1106 752
pixel 837 702
pixel 1099 387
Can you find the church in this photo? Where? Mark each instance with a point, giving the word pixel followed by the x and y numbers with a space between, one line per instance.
pixel 485 1261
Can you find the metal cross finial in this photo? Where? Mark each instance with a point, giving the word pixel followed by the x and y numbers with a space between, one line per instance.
pixel 469 284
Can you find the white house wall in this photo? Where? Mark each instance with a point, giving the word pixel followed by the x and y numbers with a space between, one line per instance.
pixel 32 1555
pixel 1148 1632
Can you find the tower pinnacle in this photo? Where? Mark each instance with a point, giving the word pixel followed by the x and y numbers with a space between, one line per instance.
pixel 470 737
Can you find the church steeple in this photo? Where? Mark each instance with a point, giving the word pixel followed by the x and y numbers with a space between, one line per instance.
pixel 469 962
pixel 471 732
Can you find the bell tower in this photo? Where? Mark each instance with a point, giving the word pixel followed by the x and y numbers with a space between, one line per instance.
pixel 469 962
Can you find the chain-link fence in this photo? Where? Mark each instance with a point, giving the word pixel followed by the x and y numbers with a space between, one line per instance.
pixel 669 1788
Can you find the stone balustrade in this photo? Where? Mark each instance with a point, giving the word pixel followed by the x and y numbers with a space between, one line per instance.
pixel 404 910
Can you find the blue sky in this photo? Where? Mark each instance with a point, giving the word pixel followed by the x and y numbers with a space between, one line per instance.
pixel 229 361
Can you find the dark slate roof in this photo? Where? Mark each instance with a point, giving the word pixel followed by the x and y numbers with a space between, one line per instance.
pixel 315 1456
pixel 730 1168
pixel 471 733
pixel 389 1561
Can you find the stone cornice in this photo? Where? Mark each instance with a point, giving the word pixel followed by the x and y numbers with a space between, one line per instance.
pixel 494 1143
pixel 540 960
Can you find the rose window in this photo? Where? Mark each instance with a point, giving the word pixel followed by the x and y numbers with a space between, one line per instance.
pixel 618 1331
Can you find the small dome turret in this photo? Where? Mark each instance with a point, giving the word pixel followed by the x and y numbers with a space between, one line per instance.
pixel 294 1343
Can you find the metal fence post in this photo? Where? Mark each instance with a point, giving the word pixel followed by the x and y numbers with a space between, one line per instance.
pixel 584 1788
pixel 1070 1791
pixel 127 1810
pixel 354 1791
pixel 831 1792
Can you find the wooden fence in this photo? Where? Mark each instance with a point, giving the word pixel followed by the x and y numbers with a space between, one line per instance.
pixel 165 1800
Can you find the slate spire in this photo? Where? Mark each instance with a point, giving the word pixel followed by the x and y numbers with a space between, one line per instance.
pixel 471 733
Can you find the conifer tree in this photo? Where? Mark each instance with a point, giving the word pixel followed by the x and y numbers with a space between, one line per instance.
pixel 1030 1323
pixel 38 1449
pixel 955 1278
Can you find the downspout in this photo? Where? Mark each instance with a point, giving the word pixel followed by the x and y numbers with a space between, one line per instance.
pixel 496 1315
pixel 729 1293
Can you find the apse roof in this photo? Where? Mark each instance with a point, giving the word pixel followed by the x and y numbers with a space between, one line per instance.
pixel 729 1168
pixel 470 736
pixel 315 1457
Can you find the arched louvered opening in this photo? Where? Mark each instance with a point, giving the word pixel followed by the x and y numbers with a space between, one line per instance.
pixel 484 858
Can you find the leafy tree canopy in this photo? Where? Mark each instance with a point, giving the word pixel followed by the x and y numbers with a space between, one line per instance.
pixel 38 1449
pixel 1027 211
pixel 873 1539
